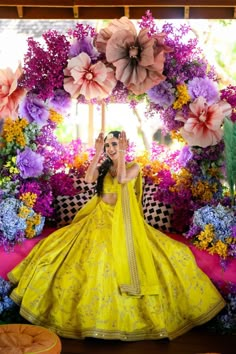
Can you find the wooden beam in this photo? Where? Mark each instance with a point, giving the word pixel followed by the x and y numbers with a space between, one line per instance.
pixel 127 14
pixel 109 9
pixel 20 11
pixel 186 12
pixel 76 11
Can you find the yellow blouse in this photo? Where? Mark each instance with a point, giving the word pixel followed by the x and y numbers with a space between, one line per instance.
pixel 110 184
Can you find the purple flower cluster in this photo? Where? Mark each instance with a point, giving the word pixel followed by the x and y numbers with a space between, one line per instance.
pixel 162 94
pixel 204 87
pixel 199 163
pixel 185 64
pixel 43 67
pixel 62 184
pixel 229 94
pixel 43 190
pixel 30 163
pixel 34 109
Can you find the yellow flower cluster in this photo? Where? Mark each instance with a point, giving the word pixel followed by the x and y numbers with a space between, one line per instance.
pixel 80 160
pixel 175 135
pixel 29 199
pixel 205 237
pixel 182 180
pixel 13 131
pixel 219 248
pixel 55 117
pixel 11 165
pixel 182 96
pixel 203 190
pixel 30 231
pixel 205 241
pixel 143 160
pixel 149 168
pixel 214 172
pixel 24 212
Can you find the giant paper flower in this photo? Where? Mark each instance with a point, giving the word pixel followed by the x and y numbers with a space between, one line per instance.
pixel 30 163
pixel 34 110
pixel 10 93
pixel 203 124
pixel 90 80
pixel 138 58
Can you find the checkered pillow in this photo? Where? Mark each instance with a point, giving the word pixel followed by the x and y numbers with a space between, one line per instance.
pixel 156 213
pixel 80 185
pixel 66 207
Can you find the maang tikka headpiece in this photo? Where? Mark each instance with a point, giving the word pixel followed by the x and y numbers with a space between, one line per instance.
pixel 110 136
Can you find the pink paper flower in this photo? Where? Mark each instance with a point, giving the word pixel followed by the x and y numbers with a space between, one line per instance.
pixel 10 93
pixel 138 58
pixel 203 125
pixel 90 80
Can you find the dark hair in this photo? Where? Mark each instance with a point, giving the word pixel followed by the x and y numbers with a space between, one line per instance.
pixel 104 167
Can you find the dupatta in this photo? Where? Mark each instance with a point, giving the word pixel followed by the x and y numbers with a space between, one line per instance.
pixel 135 269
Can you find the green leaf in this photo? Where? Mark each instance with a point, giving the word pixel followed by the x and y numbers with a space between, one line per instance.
pixel 230 154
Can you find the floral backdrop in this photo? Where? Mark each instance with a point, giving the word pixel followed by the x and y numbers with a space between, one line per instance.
pixel 163 67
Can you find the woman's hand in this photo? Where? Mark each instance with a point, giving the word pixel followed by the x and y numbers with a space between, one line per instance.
pixel 99 144
pixel 123 142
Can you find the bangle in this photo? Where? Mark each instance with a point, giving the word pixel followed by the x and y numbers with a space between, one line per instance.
pixel 122 150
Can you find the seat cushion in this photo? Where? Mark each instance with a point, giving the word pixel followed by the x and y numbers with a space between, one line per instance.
pixel 27 338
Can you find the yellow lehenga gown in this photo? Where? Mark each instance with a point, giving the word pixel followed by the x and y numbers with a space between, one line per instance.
pixel 111 275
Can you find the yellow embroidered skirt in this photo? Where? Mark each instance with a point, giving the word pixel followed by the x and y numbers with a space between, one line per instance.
pixel 68 284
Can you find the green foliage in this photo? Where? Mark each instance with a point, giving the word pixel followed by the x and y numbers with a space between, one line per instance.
pixel 230 155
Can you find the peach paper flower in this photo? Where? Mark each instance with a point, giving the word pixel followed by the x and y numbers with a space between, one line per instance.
pixel 10 93
pixel 90 80
pixel 138 58
pixel 203 125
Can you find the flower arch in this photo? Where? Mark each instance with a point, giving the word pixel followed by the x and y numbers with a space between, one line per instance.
pixel 163 67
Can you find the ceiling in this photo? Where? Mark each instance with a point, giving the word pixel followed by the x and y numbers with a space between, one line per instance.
pixel 109 9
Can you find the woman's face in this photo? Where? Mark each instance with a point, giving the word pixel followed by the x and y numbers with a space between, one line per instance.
pixel 111 148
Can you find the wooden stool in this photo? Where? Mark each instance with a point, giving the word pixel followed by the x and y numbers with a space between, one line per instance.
pixel 27 338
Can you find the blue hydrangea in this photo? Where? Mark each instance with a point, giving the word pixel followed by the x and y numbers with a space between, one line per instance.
pixel 222 219
pixel 12 227
pixel 10 222
pixel 5 302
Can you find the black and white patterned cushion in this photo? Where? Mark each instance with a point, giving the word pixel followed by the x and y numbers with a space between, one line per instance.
pixel 156 214
pixel 81 186
pixel 66 207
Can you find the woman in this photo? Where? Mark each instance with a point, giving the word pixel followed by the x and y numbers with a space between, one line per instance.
pixel 109 274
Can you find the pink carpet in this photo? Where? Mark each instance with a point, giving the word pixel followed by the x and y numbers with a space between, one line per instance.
pixel 210 264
